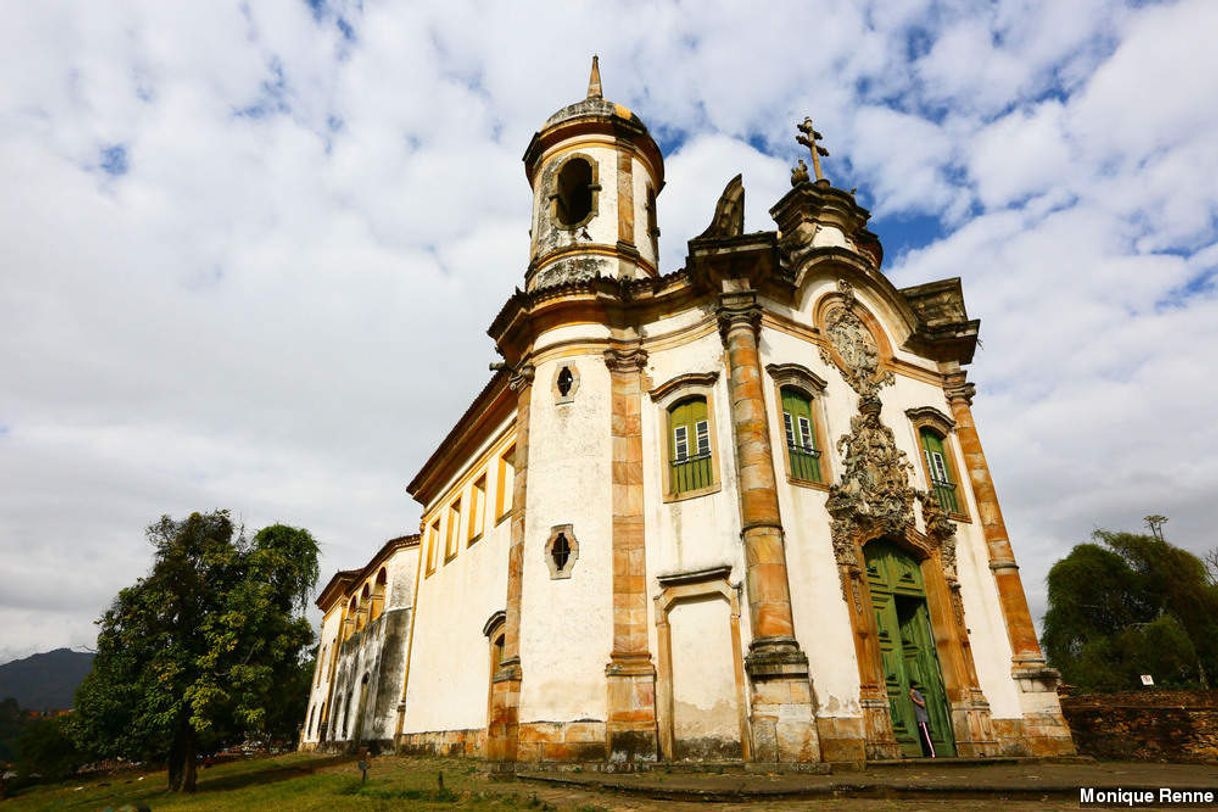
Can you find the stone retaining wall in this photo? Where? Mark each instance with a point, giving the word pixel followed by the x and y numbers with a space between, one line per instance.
pixel 1151 725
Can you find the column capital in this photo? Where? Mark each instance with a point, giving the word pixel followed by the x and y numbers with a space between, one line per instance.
pixel 522 376
pixel 957 387
pixel 739 310
pixel 626 359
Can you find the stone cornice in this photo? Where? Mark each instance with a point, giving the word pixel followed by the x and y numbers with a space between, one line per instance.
pixel 929 415
pixel 698 576
pixel 493 622
pixel 798 375
pixel 689 379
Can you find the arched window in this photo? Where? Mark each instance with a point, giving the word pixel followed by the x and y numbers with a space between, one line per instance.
pixel 573 192
pixel 800 429
pixel 689 445
pixel 352 622
pixel 939 469
pixel 364 605
pixel 378 595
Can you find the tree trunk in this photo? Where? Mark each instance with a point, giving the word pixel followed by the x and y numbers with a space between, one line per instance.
pixel 189 767
pixel 182 771
pixel 174 764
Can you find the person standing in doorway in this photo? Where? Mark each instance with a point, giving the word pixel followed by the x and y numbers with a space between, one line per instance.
pixel 922 718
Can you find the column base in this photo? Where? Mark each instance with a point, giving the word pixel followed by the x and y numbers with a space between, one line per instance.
pixel 631 733
pixel 1045 731
pixel 782 722
pixel 503 728
pixel 881 742
pixel 973 727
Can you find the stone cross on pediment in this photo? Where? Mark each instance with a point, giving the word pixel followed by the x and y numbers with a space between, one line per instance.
pixel 809 137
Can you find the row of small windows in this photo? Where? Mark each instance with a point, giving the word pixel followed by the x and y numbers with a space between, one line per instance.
pixel 691 469
pixel 475 503
pixel 691 466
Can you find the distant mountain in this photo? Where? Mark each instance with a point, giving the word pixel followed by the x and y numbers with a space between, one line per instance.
pixel 46 681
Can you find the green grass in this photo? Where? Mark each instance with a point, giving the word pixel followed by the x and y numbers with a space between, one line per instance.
pixel 299 781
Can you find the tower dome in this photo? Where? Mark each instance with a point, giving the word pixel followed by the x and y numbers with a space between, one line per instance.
pixel 595 173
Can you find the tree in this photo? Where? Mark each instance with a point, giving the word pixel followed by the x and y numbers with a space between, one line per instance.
pixel 12 725
pixel 46 749
pixel 192 655
pixel 1131 604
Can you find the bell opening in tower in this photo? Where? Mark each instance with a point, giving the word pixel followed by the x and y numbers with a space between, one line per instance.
pixel 574 193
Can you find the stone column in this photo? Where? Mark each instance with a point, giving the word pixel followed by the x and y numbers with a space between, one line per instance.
pixel 1025 649
pixel 782 720
pixel 1044 728
pixel 631 674
pixel 504 723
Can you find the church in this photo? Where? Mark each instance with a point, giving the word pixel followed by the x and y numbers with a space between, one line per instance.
pixel 731 512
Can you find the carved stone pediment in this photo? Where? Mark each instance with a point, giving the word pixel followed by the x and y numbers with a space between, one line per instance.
pixel 854 349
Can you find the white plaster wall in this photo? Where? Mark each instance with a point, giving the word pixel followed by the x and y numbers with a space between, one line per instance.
pixel 571 332
pixel 449 680
pixel 399 593
pixel 328 634
pixel 566 628
pixel 677 321
pixel 704 682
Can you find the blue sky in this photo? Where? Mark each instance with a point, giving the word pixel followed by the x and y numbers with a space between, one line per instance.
pixel 252 249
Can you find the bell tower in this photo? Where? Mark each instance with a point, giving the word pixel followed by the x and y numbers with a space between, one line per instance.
pixel 595 172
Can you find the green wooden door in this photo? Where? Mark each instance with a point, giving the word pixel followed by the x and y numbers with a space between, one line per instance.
pixel 907 647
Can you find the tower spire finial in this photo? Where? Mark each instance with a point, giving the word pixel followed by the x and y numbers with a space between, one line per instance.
pixel 594 80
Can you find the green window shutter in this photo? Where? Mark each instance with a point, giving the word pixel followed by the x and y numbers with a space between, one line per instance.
pixel 801 438
pixel 690 466
pixel 937 467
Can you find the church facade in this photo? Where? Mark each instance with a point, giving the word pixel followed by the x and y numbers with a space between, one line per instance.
pixel 731 512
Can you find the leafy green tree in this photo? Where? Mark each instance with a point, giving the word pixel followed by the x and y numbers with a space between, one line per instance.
pixel 193 655
pixel 12 725
pixel 1131 604
pixel 46 749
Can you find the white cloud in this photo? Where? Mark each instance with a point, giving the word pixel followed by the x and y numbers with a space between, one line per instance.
pixel 282 312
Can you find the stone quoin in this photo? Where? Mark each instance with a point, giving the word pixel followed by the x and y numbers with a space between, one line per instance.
pixel 730 512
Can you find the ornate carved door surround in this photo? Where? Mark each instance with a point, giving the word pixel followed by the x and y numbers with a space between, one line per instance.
pixel 874 499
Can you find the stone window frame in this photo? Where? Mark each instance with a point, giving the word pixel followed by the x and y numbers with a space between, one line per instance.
pixel 696 585
pixel 504 498
pixel 929 417
pixel 594 187
pixel 476 523
pixel 559 398
pixel 431 554
pixel 568 531
pixel 665 396
pixel 808 382
pixel 452 529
